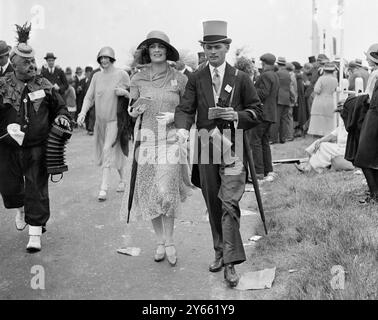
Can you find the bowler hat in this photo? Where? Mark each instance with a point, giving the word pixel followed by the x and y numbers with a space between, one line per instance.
pixel 88 69
pixel 49 55
pixel 297 65
pixel 268 58
pixel 290 66
pixel 4 48
pixel 281 61
pixel 161 37
pixel 215 31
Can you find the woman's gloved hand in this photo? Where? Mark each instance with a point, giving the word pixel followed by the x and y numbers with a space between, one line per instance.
pixel 167 117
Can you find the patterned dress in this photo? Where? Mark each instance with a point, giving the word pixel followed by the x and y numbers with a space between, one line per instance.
pixel 162 183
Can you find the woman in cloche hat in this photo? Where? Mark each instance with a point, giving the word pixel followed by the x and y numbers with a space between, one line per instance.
pixel 161 181
pixel 105 88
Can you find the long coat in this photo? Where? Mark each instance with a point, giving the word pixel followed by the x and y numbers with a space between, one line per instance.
pixel 7 70
pixel 367 153
pixel 267 87
pixel 57 77
pixel 322 112
pixel 284 94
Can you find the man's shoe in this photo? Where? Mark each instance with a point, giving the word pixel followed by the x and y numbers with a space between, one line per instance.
pixel 230 275
pixel 217 265
pixel 34 244
pixel 20 220
pixel 271 177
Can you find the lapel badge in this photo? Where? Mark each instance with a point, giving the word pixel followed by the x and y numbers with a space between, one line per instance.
pixel 228 88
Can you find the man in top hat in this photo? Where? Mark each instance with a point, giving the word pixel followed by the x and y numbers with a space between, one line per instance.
pixel 5 65
pixel 222 182
pixel 280 130
pixel 54 74
pixel 267 87
pixel 356 70
pixel 28 108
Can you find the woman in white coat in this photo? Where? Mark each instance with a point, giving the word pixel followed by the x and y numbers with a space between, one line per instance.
pixel 322 112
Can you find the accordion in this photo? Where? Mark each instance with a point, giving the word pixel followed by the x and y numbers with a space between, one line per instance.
pixel 55 150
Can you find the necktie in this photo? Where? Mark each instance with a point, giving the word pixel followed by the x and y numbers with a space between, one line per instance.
pixel 1 70
pixel 216 81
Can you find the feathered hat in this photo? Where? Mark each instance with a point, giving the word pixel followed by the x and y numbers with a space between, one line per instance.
pixel 22 48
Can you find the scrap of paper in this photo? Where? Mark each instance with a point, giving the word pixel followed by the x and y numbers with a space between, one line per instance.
pixel 134 252
pixel 258 280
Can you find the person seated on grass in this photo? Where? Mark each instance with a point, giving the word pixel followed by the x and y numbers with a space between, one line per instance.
pixel 328 151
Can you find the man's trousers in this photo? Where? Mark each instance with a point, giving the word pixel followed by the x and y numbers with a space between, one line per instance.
pixel 24 182
pixel 223 187
pixel 259 143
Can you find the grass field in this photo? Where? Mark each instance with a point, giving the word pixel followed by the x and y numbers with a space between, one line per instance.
pixel 315 222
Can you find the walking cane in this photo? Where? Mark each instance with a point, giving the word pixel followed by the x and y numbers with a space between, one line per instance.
pixel 251 164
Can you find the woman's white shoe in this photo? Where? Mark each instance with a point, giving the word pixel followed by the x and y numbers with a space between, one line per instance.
pixel 20 220
pixel 102 195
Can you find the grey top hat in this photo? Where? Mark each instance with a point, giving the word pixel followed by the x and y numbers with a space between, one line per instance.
pixel 161 37
pixel 4 48
pixel 215 31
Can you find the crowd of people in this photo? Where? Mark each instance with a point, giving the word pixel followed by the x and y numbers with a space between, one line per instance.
pixel 273 104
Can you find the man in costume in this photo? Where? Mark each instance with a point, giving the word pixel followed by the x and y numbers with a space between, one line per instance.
pixel 222 183
pixel 29 103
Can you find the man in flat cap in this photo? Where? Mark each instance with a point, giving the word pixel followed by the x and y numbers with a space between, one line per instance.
pixel 267 87
pixel 54 74
pixel 5 65
pixel 222 182
pixel 28 107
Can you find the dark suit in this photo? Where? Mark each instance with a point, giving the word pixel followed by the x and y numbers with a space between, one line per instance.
pixel 222 191
pixel 57 77
pixel 267 86
pixel 7 70
pixel 187 73
pixel 90 119
pixel 280 130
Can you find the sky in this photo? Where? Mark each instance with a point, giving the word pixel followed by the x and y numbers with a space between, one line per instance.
pixel 75 30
